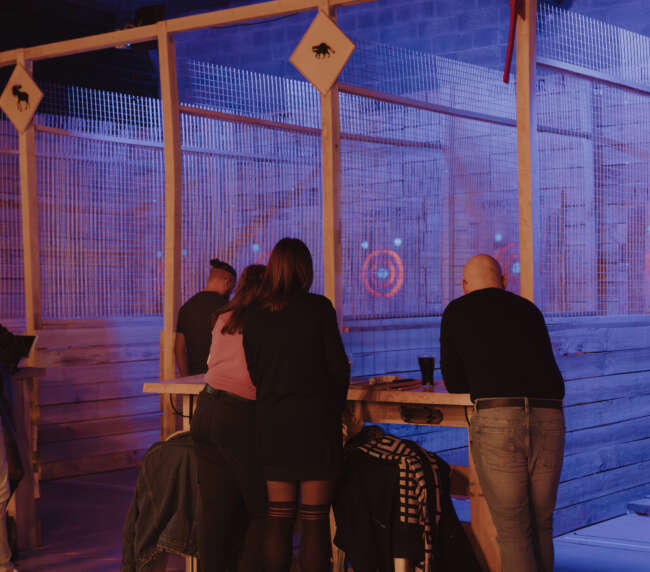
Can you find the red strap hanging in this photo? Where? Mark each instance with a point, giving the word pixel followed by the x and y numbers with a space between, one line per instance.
pixel 515 9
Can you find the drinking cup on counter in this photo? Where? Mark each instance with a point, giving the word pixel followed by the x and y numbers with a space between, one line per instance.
pixel 427 364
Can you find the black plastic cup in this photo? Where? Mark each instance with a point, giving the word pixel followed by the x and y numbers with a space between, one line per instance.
pixel 427 365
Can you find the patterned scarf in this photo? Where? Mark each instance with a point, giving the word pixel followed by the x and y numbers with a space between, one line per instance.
pixel 419 500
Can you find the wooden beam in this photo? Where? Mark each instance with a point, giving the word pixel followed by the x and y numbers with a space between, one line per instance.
pixel 331 185
pixel 173 182
pixel 29 210
pixel 272 9
pixel 527 150
pixel 424 105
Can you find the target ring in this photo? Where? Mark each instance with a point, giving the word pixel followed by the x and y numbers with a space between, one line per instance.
pixel 508 257
pixel 382 273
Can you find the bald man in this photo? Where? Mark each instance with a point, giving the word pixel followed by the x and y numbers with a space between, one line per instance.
pixel 495 346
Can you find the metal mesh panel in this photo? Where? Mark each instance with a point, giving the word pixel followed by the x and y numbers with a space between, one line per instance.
pixel 100 193
pixel 394 181
pixel 566 186
pixel 245 185
pixel 241 92
pixel 622 179
pixel 427 77
pixel 423 190
pixel 582 41
pixel 482 214
pixel 594 158
pixel 12 296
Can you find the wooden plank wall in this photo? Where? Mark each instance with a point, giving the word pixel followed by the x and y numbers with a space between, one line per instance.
pixel 606 365
pixel 95 418
pixel 93 415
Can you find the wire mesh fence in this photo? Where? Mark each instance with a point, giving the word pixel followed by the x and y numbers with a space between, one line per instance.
pixel 12 297
pixel 594 158
pixel 247 184
pixel 582 41
pixel 101 200
pixel 429 178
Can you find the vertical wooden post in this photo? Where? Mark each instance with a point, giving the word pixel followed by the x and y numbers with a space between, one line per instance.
pixel 29 208
pixel 173 180
pixel 527 151
pixel 331 182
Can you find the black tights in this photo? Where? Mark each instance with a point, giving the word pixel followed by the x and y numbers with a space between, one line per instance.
pixel 315 501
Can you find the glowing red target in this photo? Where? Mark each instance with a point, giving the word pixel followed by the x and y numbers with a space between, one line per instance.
pixel 508 258
pixel 382 273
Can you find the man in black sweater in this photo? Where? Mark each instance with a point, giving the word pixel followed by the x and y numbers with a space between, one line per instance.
pixel 495 346
pixel 197 316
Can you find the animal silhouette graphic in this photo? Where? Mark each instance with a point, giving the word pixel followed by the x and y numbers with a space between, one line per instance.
pixel 22 97
pixel 322 50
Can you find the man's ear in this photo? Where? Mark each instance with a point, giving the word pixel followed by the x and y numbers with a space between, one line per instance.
pixel 504 279
pixel 464 285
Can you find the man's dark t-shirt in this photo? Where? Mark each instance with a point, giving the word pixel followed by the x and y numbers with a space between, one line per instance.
pixel 494 343
pixel 196 319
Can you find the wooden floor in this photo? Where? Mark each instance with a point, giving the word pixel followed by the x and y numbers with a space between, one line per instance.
pixel 82 519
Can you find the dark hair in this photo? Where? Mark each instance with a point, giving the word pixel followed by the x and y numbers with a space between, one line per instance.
pixel 289 271
pixel 221 265
pixel 248 289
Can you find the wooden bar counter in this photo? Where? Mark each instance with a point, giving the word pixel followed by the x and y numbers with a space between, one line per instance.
pixel 385 404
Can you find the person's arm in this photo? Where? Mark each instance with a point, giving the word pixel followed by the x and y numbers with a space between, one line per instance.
pixel 336 360
pixel 180 353
pixel 451 364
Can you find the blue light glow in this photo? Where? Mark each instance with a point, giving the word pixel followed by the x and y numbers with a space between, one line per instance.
pixel 256 247
pixel 184 252
pixel 364 244
pixel 382 273
pixel 498 237
pixel 516 268
pixel 397 242
pixel 159 254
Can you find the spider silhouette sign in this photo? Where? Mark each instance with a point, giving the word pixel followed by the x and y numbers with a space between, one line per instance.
pixel 322 53
pixel 20 98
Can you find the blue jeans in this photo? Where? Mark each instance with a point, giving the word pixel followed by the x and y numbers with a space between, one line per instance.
pixel 518 455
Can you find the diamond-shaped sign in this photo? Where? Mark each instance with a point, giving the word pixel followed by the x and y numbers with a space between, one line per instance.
pixel 20 98
pixel 322 53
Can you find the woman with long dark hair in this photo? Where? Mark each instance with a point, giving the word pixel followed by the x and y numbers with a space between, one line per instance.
pixel 223 429
pixel 298 364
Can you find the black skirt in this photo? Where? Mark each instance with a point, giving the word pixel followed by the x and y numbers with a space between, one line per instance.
pixel 299 439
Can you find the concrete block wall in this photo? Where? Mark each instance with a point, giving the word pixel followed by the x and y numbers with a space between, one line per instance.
pixel 474 31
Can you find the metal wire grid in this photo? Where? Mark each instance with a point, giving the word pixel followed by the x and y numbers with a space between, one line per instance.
pixel 595 225
pixel 12 293
pixel 433 79
pixel 394 181
pixel 622 187
pixel 109 114
pixel 247 93
pixel 567 229
pixel 101 227
pixel 238 204
pixel 422 193
pixel 582 41
pixel 481 214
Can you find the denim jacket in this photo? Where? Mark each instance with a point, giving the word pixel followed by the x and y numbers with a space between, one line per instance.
pixel 164 513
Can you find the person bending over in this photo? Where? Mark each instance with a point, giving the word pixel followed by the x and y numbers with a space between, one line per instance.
pixel 298 364
pixel 223 429
pixel 196 318
pixel 495 346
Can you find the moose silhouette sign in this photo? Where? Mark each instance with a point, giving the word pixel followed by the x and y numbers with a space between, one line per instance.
pixel 20 98
pixel 322 53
